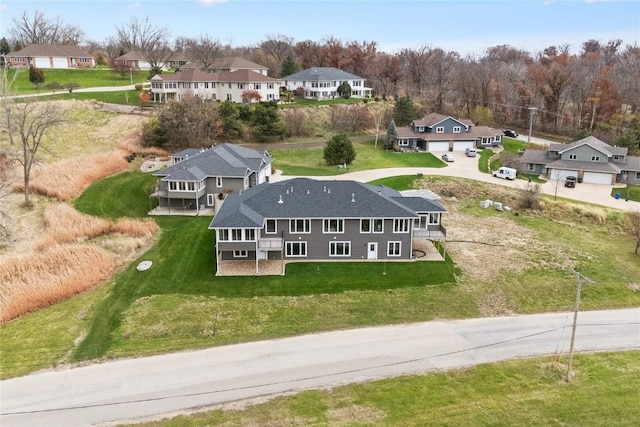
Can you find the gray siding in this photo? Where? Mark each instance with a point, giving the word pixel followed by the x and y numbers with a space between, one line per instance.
pixel 448 125
pixel 584 153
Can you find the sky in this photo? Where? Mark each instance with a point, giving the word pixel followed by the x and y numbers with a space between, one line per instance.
pixel 467 27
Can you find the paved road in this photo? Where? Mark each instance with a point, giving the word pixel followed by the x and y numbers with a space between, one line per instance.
pixel 467 167
pixel 138 388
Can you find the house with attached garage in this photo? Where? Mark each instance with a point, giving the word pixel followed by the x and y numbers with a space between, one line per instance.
pixel 51 56
pixel 200 179
pixel 223 86
pixel 437 132
pixel 225 64
pixel 590 160
pixel 322 83
pixel 305 219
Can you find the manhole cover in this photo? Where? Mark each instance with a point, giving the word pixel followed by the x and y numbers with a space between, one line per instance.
pixel 144 265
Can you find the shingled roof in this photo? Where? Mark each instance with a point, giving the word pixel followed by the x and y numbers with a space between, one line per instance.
pixel 322 74
pixel 309 198
pixel 50 50
pixel 224 160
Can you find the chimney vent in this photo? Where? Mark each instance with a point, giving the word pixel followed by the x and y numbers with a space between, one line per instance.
pixel 353 198
pixel 280 200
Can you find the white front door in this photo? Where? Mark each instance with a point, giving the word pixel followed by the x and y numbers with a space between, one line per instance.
pixel 372 251
pixel 262 254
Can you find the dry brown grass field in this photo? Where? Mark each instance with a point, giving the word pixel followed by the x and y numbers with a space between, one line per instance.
pixel 54 251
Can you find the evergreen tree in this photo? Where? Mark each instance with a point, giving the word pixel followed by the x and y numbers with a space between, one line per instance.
pixel 4 46
pixel 289 66
pixel 392 135
pixel 339 150
pixel 267 122
pixel 404 111
pixel 344 90
pixel 154 71
pixel 36 76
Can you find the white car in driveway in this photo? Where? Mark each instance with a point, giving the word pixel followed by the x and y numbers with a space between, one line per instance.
pixel 447 157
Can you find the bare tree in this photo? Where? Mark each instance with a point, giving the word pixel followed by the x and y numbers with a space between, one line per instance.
pixel 279 47
pixel 7 179
pixel 205 50
pixel 634 228
pixel 146 37
pixel 37 29
pixel 26 123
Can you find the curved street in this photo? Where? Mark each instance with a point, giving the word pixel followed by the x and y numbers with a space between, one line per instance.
pixel 135 389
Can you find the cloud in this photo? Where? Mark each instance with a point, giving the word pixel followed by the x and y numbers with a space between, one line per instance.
pixel 135 5
pixel 207 3
pixel 4 7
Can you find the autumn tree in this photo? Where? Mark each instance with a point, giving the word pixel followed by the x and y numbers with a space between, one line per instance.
pixel 37 29
pixel 36 76
pixel 308 54
pixel 359 57
pixel 251 95
pixel 339 150
pixel 385 72
pixel 144 36
pixel 27 125
pixel 332 52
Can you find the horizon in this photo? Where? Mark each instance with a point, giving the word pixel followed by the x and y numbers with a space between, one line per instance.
pixel 527 25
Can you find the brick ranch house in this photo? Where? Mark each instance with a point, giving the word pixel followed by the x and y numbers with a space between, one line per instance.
pixel 51 56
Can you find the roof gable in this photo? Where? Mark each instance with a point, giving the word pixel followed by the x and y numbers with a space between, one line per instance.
pixel 434 119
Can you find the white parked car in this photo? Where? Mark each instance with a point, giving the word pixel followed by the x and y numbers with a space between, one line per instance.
pixel 470 152
pixel 448 157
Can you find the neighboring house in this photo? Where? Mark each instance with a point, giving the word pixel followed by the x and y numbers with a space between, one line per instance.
pixel 137 60
pixel 589 159
pixel 226 64
pixel 305 219
pixel 226 86
pixel 322 83
pixel 51 56
pixel 437 132
pixel 201 178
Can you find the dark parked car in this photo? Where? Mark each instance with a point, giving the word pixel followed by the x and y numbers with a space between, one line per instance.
pixel 570 181
pixel 510 133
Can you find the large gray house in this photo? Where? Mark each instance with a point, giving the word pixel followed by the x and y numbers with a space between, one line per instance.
pixel 589 159
pixel 437 132
pixel 323 82
pixel 200 179
pixel 304 219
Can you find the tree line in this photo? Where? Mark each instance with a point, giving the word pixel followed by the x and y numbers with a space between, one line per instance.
pixel 594 91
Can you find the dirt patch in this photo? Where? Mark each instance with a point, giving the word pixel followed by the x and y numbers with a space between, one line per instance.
pixel 354 414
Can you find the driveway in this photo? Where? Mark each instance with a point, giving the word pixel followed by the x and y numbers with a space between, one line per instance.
pixel 161 385
pixel 467 167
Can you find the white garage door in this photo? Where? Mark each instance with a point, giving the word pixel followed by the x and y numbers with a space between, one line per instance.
pixel 561 174
pixel 597 178
pixel 60 63
pixel 438 146
pixel 462 145
pixel 43 63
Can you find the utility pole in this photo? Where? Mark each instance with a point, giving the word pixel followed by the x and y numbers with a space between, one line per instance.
pixel 532 111
pixel 580 278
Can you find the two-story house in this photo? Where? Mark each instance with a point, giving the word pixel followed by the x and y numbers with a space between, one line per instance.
pixel 322 83
pixel 437 132
pixel 305 219
pixel 51 56
pixel 590 160
pixel 223 86
pixel 200 179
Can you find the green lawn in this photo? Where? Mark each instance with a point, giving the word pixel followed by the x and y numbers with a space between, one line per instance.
pixel 129 97
pixel 523 393
pixel 309 161
pixel 85 78
pixel 632 192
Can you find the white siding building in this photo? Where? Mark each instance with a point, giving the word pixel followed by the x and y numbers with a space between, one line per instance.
pixel 323 82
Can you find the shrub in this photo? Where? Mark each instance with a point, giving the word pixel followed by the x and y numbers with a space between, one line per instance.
pixel 138 86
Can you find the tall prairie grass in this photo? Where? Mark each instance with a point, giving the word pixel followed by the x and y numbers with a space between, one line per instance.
pixel 131 144
pixel 40 279
pixel 64 224
pixel 67 179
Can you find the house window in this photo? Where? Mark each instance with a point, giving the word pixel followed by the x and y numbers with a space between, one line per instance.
pixel 333 226
pixel 236 234
pixel 240 85
pixel 637 175
pixel 229 97
pixel 269 85
pixel 531 167
pixel 195 85
pixel 401 225
pixel 434 218
pixel 393 248
pixel 378 225
pixel 440 129
pixel 457 129
pixel 206 85
pixel 257 86
pixel 299 226
pixel 218 181
pixel 223 234
pixel 595 158
pixel 616 157
pixel 573 156
pixel 339 248
pixel 240 254
pixel 403 142
pixel 365 225
pixel 296 249
pixel 272 226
